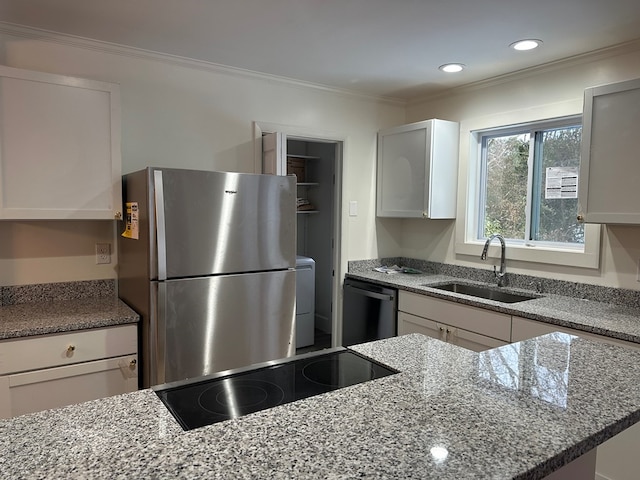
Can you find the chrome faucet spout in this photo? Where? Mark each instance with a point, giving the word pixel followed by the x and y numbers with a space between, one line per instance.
pixel 499 275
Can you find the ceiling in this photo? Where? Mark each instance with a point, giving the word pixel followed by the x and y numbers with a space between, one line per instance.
pixel 388 48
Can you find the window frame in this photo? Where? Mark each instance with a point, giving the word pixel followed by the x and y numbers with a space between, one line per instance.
pixel 585 255
pixel 534 172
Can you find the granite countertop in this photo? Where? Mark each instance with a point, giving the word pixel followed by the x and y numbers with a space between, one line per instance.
pixel 40 309
pixel 58 316
pixel 518 411
pixel 599 317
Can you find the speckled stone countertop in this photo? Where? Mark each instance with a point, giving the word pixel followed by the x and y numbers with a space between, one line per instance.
pixel 28 319
pixel 56 308
pixel 605 311
pixel 518 411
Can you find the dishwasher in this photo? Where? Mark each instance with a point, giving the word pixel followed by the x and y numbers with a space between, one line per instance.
pixel 368 312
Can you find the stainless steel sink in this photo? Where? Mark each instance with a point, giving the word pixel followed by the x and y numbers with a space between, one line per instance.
pixel 490 293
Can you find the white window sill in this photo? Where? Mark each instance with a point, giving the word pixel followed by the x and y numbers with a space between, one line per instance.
pixel 589 258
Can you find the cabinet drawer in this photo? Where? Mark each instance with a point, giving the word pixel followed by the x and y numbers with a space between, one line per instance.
pixel 478 320
pixel 524 329
pixel 34 353
pixel 57 387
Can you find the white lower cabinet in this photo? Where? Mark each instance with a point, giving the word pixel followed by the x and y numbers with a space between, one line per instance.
pixel 52 371
pixel 408 323
pixel 523 329
pixel 468 327
pixel 616 458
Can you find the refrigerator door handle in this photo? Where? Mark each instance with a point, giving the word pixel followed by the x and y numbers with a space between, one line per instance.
pixel 158 339
pixel 161 231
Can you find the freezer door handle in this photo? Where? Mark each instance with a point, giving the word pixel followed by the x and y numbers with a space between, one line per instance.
pixel 368 293
pixel 161 231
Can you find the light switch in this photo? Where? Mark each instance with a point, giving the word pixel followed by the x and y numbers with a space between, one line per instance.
pixel 353 208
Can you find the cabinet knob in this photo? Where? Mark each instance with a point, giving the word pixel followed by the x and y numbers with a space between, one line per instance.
pixel 441 329
pixel 132 364
pixel 580 218
pixel 424 215
pixel 70 350
pixel 117 215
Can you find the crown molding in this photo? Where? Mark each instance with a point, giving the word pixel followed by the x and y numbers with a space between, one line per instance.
pixel 32 33
pixel 607 52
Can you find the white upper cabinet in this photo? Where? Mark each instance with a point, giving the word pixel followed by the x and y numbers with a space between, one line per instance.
pixel 59 147
pixel 610 163
pixel 418 170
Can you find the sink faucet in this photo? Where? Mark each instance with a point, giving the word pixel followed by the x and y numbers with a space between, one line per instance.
pixel 499 275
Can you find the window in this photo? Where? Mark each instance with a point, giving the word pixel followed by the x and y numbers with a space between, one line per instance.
pixel 540 226
pixel 528 178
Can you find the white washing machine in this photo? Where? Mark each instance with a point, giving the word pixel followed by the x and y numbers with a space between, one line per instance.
pixel 305 300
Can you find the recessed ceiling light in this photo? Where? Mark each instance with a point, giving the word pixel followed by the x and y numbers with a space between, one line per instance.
pixel 451 67
pixel 528 44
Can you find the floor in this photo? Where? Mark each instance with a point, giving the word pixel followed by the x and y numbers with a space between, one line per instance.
pixel 321 341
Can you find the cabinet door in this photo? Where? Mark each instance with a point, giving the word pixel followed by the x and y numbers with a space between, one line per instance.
pixel 478 320
pixel 274 154
pixel 5 398
pixel 408 323
pixel 609 169
pixel 57 387
pixel 40 352
pixel 60 144
pixel 417 170
pixel 471 341
pixel 524 328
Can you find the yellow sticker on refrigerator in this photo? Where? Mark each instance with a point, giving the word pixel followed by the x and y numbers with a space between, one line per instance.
pixel 131 221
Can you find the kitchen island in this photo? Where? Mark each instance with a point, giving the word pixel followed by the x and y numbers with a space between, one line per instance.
pixel 520 411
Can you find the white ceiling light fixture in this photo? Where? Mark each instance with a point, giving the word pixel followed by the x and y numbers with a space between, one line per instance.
pixel 527 44
pixel 452 67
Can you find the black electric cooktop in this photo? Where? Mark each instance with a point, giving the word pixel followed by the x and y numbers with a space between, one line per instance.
pixel 215 399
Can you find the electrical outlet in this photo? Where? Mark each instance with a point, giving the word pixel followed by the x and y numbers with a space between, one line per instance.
pixel 103 253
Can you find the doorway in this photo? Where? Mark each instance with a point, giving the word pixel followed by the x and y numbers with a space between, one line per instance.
pixel 317 164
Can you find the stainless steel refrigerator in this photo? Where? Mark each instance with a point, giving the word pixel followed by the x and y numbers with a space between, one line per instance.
pixel 208 261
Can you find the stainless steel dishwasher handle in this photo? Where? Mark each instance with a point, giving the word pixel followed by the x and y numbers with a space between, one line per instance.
pixel 368 293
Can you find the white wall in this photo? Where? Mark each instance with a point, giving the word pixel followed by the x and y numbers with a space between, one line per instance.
pixel 188 114
pixel 43 252
pixel 544 93
pixel 181 113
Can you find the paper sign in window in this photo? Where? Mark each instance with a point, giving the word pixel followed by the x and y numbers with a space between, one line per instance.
pixel 561 182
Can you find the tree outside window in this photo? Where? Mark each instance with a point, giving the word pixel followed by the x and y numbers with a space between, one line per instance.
pixel 529 185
